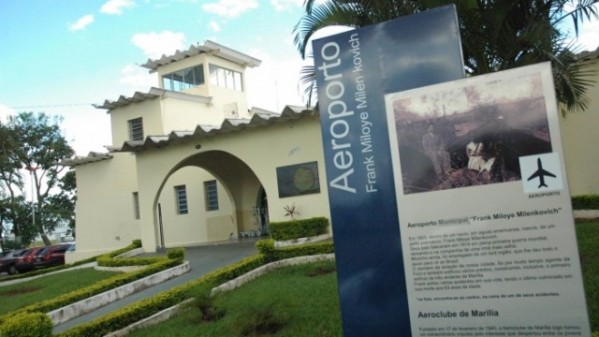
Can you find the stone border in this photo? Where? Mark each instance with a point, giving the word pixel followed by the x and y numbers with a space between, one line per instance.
pixel 124 269
pixel 158 317
pixel 253 274
pixel 90 304
pixel 300 241
pixel 586 214
pixel 130 253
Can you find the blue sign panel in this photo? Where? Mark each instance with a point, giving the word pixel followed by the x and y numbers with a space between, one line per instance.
pixel 355 70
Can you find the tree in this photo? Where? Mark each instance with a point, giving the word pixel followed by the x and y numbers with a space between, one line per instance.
pixel 11 182
pixel 60 208
pixel 41 146
pixel 496 34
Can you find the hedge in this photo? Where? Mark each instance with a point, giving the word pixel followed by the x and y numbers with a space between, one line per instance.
pixel 160 264
pixel 35 324
pixel 295 229
pixel 585 202
pixel 123 317
pixel 267 248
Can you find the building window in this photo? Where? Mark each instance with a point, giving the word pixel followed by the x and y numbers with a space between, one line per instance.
pixel 211 195
pixel 136 206
pixel 136 129
pixel 225 78
pixel 181 198
pixel 184 79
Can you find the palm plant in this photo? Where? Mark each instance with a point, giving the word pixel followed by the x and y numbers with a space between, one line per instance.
pixel 496 34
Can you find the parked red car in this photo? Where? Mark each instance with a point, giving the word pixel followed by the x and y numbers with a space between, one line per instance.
pixel 51 256
pixel 9 261
pixel 26 261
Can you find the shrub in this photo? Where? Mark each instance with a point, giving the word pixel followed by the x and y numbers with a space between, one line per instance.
pixel 295 229
pixel 99 287
pixel 176 253
pixel 267 248
pixel 262 320
pixel 107 261
pixel 204 304
pixel 34 324
pixel 235 270
pixel 128 315
pixel 125 316
pixel 585 202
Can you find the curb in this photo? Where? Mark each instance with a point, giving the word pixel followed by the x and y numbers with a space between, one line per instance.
pixel 300 241
pixel 251 275
pixel 158 317
pixel 586 214
pixel 90 304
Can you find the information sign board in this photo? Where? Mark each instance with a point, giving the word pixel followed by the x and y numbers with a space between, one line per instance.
pixel 354 70
pixel 486 223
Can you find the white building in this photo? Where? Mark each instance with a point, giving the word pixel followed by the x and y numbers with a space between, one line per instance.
pixel 191 163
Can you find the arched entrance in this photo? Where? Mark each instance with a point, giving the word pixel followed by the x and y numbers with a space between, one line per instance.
pixel 208 197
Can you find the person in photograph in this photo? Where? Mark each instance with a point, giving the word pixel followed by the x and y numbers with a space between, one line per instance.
pixel 435 150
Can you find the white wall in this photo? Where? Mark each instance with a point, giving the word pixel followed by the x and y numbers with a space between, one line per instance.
pixel 263 149
pixel 193 227
pixel 104 209
pixel 580 137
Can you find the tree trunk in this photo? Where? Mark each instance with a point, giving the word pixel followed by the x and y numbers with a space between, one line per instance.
pixel 46 240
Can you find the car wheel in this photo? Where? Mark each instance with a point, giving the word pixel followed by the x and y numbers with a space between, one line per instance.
pixel 13 270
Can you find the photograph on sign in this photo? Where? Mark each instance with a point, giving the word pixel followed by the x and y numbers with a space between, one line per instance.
pixel 486 223
pixel 471 135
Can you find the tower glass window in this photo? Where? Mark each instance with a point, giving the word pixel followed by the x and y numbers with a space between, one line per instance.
pixel 225 78
pixel 184 78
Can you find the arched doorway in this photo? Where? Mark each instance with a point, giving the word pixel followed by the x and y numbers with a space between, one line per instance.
pixel 207 197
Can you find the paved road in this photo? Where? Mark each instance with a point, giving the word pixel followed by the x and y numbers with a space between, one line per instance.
pixel 203 259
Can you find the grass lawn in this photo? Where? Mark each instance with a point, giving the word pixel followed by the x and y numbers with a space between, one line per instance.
pixel 303 305
pixel 588 246
pixel 298 301
pixel 22 294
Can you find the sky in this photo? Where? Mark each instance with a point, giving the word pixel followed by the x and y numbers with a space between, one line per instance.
pixel 62 56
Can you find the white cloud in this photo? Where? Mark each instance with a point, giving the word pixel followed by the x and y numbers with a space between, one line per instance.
pixel 230 8
pixel 589 36
pixel 274 84
pixel 138 78
pixel 281 5
pixel 214 26
pixel 5 112
pixel 82 23
pixel 116 6
pixel 154 45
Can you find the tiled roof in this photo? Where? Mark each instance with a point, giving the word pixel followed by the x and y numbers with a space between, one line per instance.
pixel 208 47
pixel 153 93
pixel 260 118
pixel 90 158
